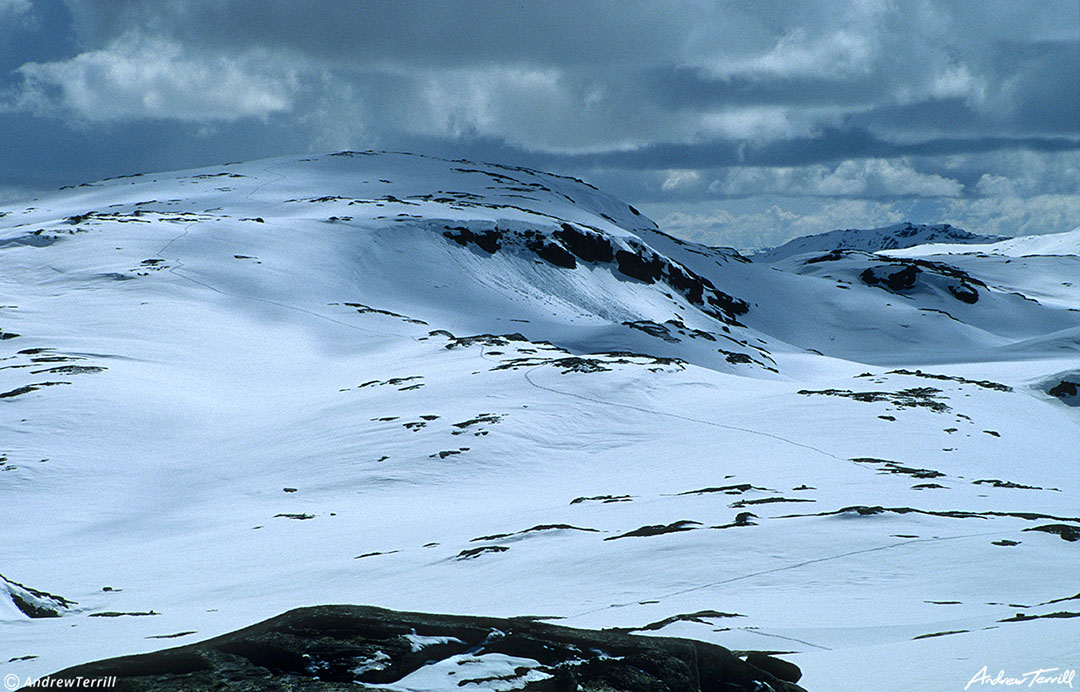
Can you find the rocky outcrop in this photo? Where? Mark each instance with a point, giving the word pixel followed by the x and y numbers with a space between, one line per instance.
pixel 364 648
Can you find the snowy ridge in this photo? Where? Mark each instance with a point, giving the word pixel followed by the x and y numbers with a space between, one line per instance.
pixel 901 235
pixel 455 387
pixel 1061 244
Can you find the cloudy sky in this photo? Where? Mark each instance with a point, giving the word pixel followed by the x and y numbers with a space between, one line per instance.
pixel 739 122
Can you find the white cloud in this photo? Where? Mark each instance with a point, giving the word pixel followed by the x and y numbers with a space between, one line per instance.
pixel 771 225
pixel 680 179
pixel 135 77
pixel 1017 216
pixel 856 178
pixel 800 54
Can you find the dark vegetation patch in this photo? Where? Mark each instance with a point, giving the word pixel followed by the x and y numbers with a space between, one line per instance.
pixel 1022 617
pixel 701 617
pixel 741 519
pixel 478 339
pixel 483 418
pixel 471 553
pixel 373 554
pixel 540 527
pixel 69 370
pixel 767 501
pixel 1067 533
pixel 367 309
pixel 299 517
pixel 171 636
pixel 735 489
pixel 916 397
pixel 602 498
pixel 993 482
pixel 658 529
pixel 116 614
pixel 392 382
pixel 652 329
pixel 867 510
pixel 939 634
pixel 893 467
pixel 1005 542
pixel 597 362
pixel 19 391
pixel 985 384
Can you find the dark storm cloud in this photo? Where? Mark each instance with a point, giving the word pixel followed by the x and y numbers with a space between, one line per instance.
pixel 689 100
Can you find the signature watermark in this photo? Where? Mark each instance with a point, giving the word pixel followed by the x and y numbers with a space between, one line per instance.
pixel 15 682
pixel 1041 676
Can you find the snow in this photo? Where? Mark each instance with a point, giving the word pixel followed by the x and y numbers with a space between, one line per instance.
pixel 201 344
pixel 901 235
pixel 490 672
pixel 420 642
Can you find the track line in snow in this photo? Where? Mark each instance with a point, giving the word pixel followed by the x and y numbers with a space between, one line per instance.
pixel 702 421
pixel 784 568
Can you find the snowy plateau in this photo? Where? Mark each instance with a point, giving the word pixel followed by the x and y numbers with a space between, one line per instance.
pixel 472 389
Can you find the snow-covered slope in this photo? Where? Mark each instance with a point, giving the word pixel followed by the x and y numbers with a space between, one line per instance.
pixel 899 235
pixel 452 387
pixel 1059 244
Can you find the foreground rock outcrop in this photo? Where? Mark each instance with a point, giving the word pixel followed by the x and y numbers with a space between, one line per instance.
pixel 366 648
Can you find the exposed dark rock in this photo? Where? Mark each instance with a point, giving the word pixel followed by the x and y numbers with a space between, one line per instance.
pixel 471 553
pixel 18 391
pixel 658 529
pixel 1066 390
pixel 540 527
pixel 864 510
pixel 1067 533
pixel 652 329
pixel 897 280
pixel 1021 617
pixel 638 267
pixel 925 397
pixel 939 634
pixel 586 245
pixel 785 670
pixel 329 648
pixel 1005 484
pixel 701 617
pixel 735 489
pixel 964 293
pixel 602 498
pixel 32 602
pixel 893 467
pixel 488 241
pixel 552 253
pixel 985 384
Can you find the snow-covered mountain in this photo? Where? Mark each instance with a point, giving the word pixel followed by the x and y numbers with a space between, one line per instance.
pixel 901 235
pixel 1063 244
pixel 467 388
